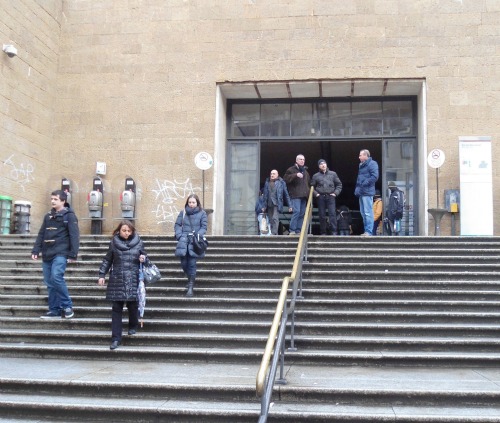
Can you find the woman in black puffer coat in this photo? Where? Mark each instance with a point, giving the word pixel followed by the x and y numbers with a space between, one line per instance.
pixel 125 252
pixel 191 221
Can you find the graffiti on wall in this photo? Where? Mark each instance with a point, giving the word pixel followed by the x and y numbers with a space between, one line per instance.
pixel 22 173
pixel 169 196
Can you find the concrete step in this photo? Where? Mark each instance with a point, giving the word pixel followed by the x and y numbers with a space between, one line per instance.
pixel 383 328
pixel 193 325
pixel 400 301
pixel 214 340
pixel 206 288
pixel 314 284
pixel 172 292
pixel 190 312
pixel 87 391
pixel 178 279
pixel 390 274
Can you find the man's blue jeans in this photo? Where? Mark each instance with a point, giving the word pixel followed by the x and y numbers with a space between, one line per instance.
pixel 299 209
pixel 53 277
pixel 366 210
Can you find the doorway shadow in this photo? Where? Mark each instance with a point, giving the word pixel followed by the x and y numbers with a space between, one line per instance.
pixel 341 156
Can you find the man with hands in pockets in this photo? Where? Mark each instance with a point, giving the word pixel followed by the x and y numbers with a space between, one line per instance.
pixel 327 187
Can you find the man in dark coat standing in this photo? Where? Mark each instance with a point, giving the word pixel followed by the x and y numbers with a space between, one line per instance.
pixel 275 195
pixel 365 189
pixel 58 240
pixel 297 180
pixel 327 187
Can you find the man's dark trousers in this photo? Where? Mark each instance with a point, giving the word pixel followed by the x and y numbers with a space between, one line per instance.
pixel 327 201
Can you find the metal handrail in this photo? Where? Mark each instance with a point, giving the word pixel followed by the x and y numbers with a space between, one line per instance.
pixel 275 345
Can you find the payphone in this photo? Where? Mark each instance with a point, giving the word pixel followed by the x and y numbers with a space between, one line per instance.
pixel 95 204
pixel 127 199
pixel 66 187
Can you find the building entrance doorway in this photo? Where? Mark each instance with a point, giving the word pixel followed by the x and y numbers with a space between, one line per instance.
pixel 341 156
pixel 268 135
pixel 252 163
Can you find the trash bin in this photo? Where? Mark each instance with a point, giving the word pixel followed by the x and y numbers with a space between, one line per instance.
pixel 5 214
pixel 22 214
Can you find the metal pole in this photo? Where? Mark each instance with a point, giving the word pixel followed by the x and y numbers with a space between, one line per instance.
pixel 437 188
pixel 203 182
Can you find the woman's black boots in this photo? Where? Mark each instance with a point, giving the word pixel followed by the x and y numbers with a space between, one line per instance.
pixel 189 292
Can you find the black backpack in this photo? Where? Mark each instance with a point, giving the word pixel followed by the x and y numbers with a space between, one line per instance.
pixel 396 205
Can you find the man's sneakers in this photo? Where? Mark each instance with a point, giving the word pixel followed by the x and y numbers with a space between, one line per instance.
pixel 67 313
pixel 50 315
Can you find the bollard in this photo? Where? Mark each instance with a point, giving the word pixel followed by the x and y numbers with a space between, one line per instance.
pixel 5 214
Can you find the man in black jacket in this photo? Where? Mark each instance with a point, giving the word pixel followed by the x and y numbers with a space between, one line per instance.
pixel 58 240
pixel 327 187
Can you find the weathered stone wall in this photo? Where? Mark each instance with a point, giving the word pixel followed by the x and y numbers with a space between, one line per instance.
pixel 27 93
pixel 136 81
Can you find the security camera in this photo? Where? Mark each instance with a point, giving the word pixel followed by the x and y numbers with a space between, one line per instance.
pixel 10 50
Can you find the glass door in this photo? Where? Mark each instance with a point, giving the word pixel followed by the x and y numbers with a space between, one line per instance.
pixel 242 188
pixel 399 167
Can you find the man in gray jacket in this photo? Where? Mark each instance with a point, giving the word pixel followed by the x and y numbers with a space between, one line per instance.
pixel 327 187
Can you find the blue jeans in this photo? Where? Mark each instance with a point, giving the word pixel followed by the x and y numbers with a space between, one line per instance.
pixel 366 210
pixel 188 265
pixel 299 209
pixel 53 277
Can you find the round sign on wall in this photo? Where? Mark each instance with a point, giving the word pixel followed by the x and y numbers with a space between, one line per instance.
pixel 436 158
pixel 203 161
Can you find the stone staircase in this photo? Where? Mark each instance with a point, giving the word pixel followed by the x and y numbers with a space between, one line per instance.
pixel 390 329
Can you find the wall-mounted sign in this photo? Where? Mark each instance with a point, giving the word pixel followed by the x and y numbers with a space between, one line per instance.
pixel 476 186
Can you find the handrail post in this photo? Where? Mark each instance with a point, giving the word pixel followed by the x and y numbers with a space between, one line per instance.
pixel 282 380
pixel 306 254
pixel 299 294
pixel 292 347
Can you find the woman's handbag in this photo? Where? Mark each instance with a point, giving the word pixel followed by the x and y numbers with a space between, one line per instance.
pixel 200 244
pixel 150 272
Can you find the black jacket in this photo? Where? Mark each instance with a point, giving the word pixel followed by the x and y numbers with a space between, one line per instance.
pixel 123 260
pixel 326 183
pixel 58 236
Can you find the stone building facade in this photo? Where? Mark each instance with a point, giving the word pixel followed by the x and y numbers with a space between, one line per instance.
pixel 145 85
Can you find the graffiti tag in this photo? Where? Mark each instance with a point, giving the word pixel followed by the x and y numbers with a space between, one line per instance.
pixel 19 172
pixel 167 195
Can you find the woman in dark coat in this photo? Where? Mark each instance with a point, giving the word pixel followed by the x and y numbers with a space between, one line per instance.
pixel 125 252
pixel 191 221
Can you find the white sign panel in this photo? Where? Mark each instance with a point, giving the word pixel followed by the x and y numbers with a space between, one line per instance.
pixel 203 161
pixel 435 159
pixel 476 186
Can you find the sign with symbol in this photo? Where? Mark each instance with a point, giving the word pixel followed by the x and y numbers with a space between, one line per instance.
pixel 436 158
pixel 203 161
